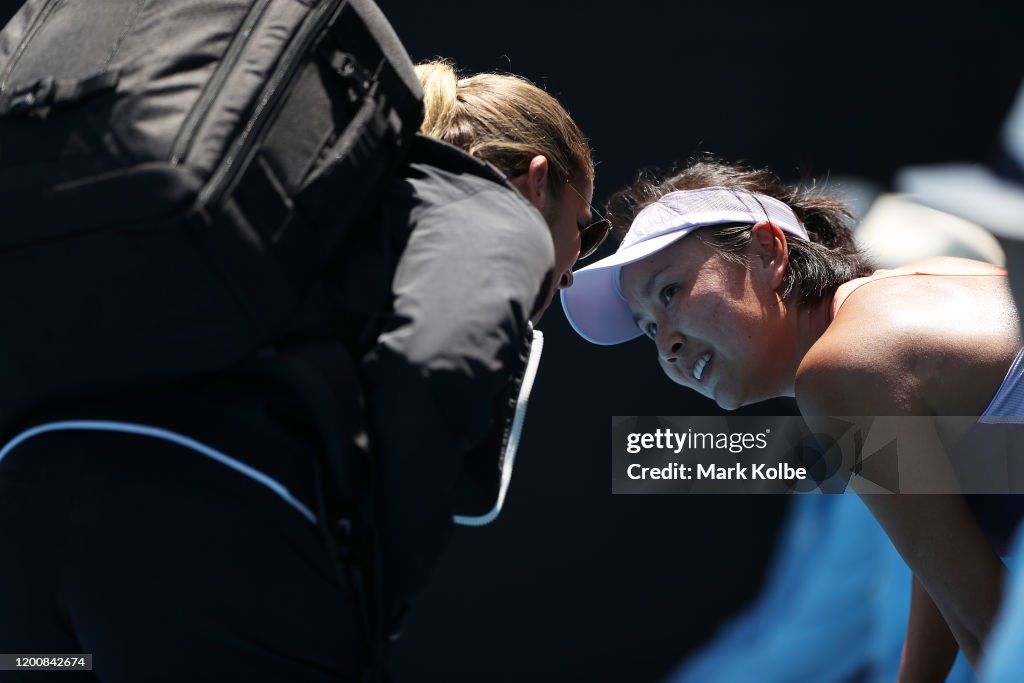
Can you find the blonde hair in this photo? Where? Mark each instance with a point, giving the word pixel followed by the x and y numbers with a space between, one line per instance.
pixel 505 120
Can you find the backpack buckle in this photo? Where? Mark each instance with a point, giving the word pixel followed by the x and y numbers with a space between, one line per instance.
pixel 347 67
pixel 29 96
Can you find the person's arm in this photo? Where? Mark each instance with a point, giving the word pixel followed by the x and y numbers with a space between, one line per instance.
pixel 954 564
pixel 465 288
pixel 936 535
pixel 929 648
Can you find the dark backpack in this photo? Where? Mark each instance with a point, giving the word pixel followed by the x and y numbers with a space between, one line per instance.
pixel 175 174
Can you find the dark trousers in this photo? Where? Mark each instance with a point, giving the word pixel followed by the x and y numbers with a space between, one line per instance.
pixel 166 566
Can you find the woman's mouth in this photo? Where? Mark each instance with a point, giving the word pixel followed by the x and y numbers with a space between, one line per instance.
pixel 701 366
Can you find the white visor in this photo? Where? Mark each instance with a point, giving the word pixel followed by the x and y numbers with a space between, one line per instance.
pixel 594 304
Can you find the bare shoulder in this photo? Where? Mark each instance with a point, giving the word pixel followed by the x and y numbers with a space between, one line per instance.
pixel 857 368
pixel 914 345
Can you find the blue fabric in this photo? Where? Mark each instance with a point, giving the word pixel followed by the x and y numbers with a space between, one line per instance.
pixel 1004 656
pixel 833 609
pixel 1004 653
pixel 1009 399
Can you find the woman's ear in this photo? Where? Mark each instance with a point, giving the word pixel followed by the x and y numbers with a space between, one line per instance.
pixel 771 252
pixel 534 183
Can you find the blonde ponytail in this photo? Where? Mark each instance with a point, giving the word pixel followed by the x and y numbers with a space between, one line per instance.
pixel 439 101
pixel 505 120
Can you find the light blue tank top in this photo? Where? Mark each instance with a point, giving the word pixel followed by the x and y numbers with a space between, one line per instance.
pixel 1008 403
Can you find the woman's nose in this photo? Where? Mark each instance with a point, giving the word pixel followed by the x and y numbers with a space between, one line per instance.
pixel 670 346
pixel 566 280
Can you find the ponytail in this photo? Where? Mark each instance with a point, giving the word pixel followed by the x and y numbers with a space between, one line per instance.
pixel 505 120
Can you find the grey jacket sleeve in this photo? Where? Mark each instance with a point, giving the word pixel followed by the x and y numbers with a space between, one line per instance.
pixel 464 289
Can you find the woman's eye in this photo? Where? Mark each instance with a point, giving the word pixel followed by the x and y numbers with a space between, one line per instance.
pixel 651 330
pixel 667 293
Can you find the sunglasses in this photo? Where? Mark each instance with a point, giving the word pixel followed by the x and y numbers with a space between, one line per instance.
pixel 591 236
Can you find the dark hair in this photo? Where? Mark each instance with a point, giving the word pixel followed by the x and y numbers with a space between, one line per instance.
pixel 816 267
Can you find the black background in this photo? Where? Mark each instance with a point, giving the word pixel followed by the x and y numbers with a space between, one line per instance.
pixel 572 583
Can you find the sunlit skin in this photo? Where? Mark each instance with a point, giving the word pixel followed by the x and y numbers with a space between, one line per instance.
pixel 691 301
pixel 913 345
pixel 920 345
pixel 566 214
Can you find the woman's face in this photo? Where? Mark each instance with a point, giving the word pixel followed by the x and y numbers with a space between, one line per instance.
pixel 567 215
pixel 566 212
pixel 718 325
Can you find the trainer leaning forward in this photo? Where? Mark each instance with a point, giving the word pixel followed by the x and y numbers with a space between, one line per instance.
pixel 263 342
